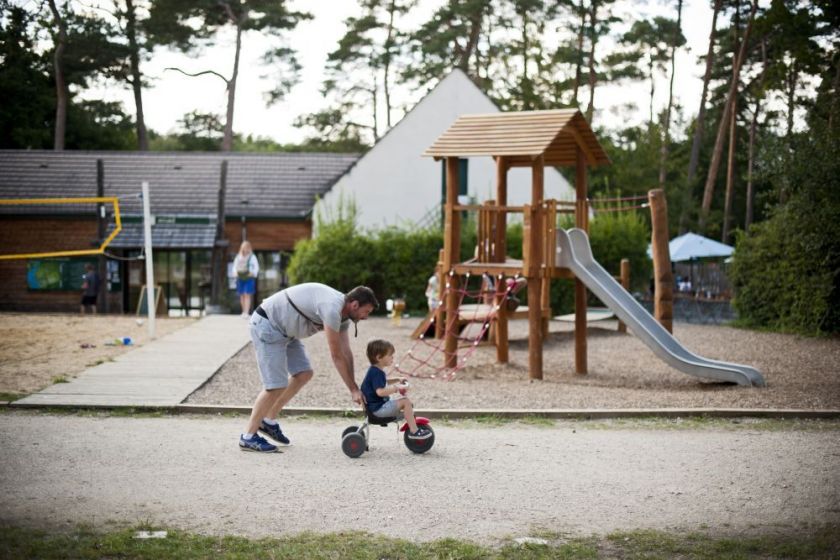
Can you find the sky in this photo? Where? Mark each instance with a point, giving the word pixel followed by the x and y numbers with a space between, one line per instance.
pixel 171 94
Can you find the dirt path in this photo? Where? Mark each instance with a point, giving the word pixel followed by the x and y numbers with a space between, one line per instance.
pixel 38 348
pixel 478 483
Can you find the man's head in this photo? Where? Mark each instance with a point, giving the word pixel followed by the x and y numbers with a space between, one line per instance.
pixel 89 267
pixel 359 303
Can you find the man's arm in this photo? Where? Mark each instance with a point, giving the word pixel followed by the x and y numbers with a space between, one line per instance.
pixel 342 357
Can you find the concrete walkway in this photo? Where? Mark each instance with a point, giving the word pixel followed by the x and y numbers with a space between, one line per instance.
pixel 160 373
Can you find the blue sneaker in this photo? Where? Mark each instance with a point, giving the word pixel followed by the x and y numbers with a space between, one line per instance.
pixel 274 432
pixel 256 443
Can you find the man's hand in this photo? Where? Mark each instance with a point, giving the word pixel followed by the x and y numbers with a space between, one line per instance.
pixel 358 397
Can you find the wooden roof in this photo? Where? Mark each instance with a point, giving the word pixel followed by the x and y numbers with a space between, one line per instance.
pixel 522 136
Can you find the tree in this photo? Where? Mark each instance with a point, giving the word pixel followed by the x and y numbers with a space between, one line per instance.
pixel 61 94
pixel 362 67
pixel 188 24
pixel 447 41
pixel 700 121
pixel 82 52
pixel 649 41
pixel 677 40
pixel 724 121
pixel 25 85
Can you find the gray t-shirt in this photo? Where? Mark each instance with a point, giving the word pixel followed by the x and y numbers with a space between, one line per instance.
pixel 320 304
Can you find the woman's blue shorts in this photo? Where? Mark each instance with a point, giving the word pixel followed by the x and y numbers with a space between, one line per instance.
pixel 248 286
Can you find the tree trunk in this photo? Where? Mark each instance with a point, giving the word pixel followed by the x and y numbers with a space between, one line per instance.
pixel 472 43
pixel 61 94
pixel 374 93
pixel 593 39
pixel 733 128
pixel 836 88
pixel 576 85
pixel 751 150
pixel 709 189
pixel 730 172
pixel 792 79
pixel 136 80
pixel 700 124
pixel 227 140
pixel 750 159
pixel 666 135
pixel 652 88
pixel 387 64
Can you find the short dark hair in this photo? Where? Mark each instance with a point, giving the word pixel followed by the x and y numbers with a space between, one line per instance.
pixel 363 295
pixel 377 348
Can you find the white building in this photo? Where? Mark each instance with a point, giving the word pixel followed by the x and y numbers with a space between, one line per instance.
pixel 393 184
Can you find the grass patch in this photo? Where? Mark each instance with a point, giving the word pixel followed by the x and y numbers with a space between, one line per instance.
pixel 11 396
pixel 60 379
pixel 86 543
pixel 822 543
pixel 99 362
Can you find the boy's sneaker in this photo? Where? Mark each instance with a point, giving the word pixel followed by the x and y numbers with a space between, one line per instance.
pixel 274 432
pixel 421 433
pixel 256 443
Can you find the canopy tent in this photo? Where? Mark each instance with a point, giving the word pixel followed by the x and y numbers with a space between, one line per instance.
pixel 691 246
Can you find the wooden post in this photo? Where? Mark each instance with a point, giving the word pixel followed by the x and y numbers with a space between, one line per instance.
pixel 663 294
pixel 501 323
pixel 625 283
pixel 582 222
pixel 439 312
pixel 535 272
pixel 500 243
pixel 451 255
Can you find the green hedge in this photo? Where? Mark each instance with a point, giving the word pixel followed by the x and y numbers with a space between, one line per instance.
pixel 786 272
pixel 397 262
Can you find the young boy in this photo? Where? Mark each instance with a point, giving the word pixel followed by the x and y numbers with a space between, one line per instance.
pixel 376 388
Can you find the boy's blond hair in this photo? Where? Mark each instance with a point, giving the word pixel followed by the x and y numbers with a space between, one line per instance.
pixel 378 348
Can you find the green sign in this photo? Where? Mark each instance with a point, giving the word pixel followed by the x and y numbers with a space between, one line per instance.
pixel 64 273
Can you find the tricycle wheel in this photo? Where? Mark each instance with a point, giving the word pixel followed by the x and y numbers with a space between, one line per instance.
pixel 419 445
pixel 353 445
pixel 349 430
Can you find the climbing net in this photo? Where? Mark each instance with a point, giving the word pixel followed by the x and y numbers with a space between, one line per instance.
pixel 471 325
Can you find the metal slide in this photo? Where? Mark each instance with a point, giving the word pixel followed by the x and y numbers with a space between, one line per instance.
pixel 575 253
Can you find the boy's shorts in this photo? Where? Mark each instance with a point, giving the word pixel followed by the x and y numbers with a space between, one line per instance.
pixel 278 356
pixel 388 409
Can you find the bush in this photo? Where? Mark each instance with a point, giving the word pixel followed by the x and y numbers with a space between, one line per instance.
pixel 403 262
pixel 396 262
pixel 339 256
pixel 786 272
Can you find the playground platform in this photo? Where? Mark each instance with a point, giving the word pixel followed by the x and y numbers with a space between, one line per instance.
pixel 161 373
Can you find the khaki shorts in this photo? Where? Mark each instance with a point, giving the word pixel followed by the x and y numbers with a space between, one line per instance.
pixel 278 356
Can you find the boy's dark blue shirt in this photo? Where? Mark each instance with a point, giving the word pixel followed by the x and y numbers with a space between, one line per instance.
pixel 374 379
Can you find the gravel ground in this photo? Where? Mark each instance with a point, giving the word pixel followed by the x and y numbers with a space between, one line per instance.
pixel 801 372
pixel 479 483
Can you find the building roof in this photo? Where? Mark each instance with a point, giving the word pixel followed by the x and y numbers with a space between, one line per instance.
pixel 169 236
pixel 259 185
pixel 521 136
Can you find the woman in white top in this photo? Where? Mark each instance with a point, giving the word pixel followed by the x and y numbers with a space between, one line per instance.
pixel 246 267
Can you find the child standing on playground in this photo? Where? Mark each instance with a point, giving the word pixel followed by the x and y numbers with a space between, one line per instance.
pixel 377 389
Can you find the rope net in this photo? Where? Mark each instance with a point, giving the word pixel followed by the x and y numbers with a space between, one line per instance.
pixel 471 325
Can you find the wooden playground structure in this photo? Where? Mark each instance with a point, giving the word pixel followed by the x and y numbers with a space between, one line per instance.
pixel 533 139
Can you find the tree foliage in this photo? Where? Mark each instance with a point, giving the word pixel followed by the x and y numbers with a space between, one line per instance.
pixel 786 272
